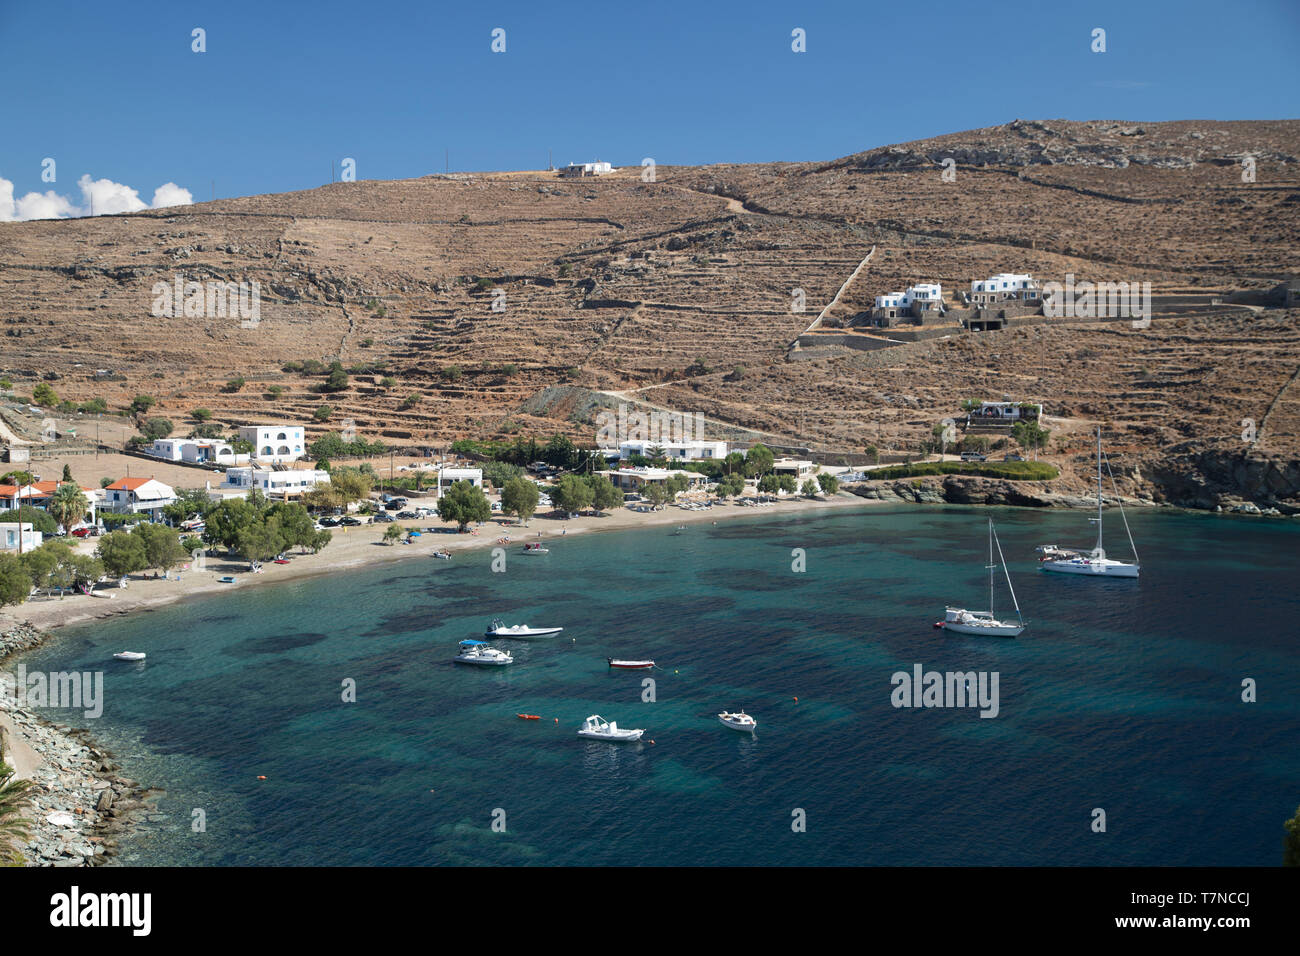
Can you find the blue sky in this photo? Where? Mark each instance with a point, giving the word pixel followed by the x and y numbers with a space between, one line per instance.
pixel 114 91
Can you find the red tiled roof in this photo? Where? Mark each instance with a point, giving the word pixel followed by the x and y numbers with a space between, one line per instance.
pixel 128 484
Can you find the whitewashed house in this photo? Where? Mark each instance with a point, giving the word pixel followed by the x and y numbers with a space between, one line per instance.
pixel 634 479
pixel 291 483
pixel 9 536
pixel 275 443
pixel 138 496
pixel 197 451
pixel 581 170
pixel 676 450
pixel 1005 286
pixel 449 476
pixel 916 301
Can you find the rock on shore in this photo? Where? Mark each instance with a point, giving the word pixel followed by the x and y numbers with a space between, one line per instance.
pixel 79 805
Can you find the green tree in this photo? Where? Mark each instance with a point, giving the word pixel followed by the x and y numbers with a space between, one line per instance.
pixel 14 797
pixel 275 391
pixel 295 525
pixel 758 461
pixel 572 494
pixel 768 484
pixel 655 493
pixel 337 379
pixel 787 483
pixel 810 489
pixel 19 478
pixel 1030 435
pixel 655 455
pixel 462 503
pixel 200 414
pixel 15 582
pixel 392 533
pixel 68 505
pixel 259 541
pixel 234 385
pixel 121 553
pixel 320 539
pixel 43 394
pixel 155 428
pixel 730 486
pixel 142 403
pixel 604 496
pixel 190 502
pixel 162 546
pixel 519 497
pixel 829 483
pixel 224 522
pixel 322 413
pixel 734 463
pixel 1291 846
pixel 67 473
pixel 39 519
pixel 351 484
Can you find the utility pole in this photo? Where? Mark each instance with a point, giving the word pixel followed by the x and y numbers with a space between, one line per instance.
pixel 446 159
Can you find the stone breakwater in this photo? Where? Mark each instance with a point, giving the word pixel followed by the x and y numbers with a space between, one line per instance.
pixel 79 805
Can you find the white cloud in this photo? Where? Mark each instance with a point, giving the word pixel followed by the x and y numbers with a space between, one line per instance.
pixel 103 196
pixel 169 194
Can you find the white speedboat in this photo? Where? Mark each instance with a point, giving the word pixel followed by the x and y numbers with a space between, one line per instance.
pixel 738 721
pixel 984 623
pixel 521 631
pixel 598 728
pixel 535 549
pixel 479 652
pixel 129 656
pixel 1093 562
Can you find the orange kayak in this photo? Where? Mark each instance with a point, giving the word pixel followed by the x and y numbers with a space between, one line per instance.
pixel 528 716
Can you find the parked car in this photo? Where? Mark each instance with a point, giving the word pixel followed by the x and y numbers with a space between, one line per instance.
pixel 89 532
pixel 973 456
pixel 384 518
pixel 350 521
pixel 407 515
pixel 329 522
pixel 1012 457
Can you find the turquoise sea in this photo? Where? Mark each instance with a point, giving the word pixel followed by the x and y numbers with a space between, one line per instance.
pixel 1121 695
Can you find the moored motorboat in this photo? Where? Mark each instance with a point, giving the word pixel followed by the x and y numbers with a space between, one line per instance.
pixel 738 721
pixel 129 656
pixel 227 579
pixel 536 549
pixel 630 665
pixel 482 653
pixel 522 631
pixel 598 728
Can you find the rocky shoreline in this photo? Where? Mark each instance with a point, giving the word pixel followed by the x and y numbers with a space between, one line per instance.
pixel 80 805
pixel 975 490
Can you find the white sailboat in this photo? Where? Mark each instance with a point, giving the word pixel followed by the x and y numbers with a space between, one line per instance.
pixel 1094 562
pixel 961 621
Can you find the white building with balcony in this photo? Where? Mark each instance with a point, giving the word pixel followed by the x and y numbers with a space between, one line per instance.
pixel 275 484
pixel 677 451
pixel 449 476
pixel 275 443
pixel 1004 286
pixel 919 299
pixel 138 496
pixel 198 451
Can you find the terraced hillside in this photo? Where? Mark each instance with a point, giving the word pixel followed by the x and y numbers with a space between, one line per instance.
pixel 459 300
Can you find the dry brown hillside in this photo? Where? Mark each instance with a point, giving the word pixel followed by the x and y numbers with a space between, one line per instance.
pixel 614 286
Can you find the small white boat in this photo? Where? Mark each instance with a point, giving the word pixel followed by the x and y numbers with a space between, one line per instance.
pixel 479 652
pixel 535 549
pixel 521 631
pixel 129 656
pixel 630 665
pixel 444 555
pixel 738 721
pixel 598 728
pixel 983 623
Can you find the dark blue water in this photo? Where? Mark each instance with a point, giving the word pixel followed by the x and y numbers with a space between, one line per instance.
pixel 1121 695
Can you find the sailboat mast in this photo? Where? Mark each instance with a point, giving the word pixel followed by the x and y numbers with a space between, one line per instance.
pixel 1099 489
pixel 990 567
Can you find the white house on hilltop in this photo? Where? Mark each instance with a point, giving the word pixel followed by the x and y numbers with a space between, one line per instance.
pixel 1003 286
pixel 196 450
pixel 916 301
pixel 275 442
pixel 580 170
